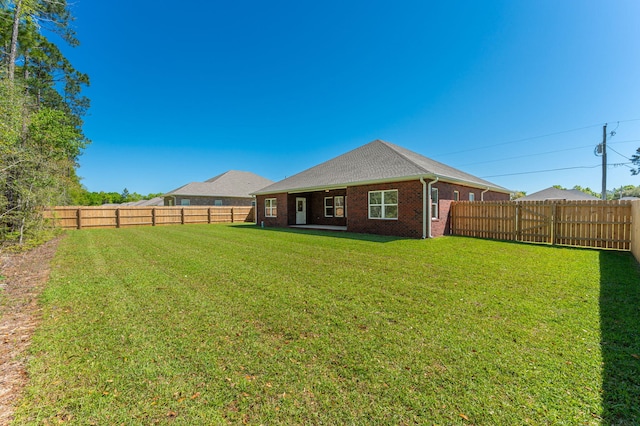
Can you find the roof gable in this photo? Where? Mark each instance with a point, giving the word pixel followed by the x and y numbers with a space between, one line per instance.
pixel 374 162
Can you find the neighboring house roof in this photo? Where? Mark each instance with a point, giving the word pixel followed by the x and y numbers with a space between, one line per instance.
pixel 377 161
pixel 558 194
pixel 233 183
pixel 630 198
pixel 156 201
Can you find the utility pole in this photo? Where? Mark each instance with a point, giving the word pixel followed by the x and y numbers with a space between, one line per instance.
pixel 604 162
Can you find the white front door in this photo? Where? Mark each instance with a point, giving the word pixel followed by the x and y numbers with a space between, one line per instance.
pixel 301 211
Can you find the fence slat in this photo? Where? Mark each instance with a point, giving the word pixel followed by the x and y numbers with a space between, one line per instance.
pixel 598 224
pixel 82 217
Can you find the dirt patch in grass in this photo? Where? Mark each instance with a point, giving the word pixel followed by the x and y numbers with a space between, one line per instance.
pixel 22 278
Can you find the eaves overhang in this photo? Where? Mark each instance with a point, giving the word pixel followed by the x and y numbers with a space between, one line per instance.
pixel 442 178
pixel 210 196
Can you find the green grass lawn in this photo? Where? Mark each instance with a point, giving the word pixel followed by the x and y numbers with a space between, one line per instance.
pixel 219 324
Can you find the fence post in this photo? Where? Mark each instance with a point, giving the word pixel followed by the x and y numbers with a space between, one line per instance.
pixel 231 214
pixel 209 215
pixel 79 217
pixel 452 217
pixel 182 216
pixel 117 218
pixel 554 220
pixel 153 216
pixel 518 223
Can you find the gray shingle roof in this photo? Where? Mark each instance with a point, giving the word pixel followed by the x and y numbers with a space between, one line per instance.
pixel 377 161
pixel 557 194
pixel 233 183
pixel 156 201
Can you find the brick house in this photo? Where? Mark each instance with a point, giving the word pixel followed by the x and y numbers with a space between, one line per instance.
pixel 378 188
pixel 232 188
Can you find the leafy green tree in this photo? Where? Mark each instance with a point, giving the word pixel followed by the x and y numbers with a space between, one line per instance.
pixel 11 125
pixel 25 15
pixel 30 57
pixel 38 170
pixel 587 190
pixel 41 111
pixel 635 160
pixel 626 191
pixel 81 197
pixel 518 194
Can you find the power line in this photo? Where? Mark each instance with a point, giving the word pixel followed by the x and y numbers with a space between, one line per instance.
pixel 526 155
pixel 623 156
pixel 536 137
pixel 553 170
pixel 628 141
pixel 546 152
pixel 522 140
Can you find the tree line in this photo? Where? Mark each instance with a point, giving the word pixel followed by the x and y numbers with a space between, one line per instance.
pixel 87 198
pixel 41 110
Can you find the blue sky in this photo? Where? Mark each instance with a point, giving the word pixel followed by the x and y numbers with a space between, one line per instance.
pixel 184 91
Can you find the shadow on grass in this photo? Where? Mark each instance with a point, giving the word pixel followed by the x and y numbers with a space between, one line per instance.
pixel 620 330
pixel 325 233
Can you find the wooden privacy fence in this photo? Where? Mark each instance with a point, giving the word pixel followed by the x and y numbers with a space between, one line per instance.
pixel 599 224
pixel 121 216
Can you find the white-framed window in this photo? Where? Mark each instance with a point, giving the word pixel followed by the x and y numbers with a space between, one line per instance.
pixel 456 196
pixel 185 202
pixel 434 203
pixel 338 203
pixel 270 207
pixel 328 206
pixel 217 202
pixel 472 196
pixel 383 204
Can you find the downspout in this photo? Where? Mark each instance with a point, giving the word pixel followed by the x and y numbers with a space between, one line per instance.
pixel 430 203
pixel 426 217
pixel 424 208
pixel 482 194
pixel 255 209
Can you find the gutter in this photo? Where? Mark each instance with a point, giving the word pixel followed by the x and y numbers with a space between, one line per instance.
pixel 343 185
pixel 255 210
pixel 424 208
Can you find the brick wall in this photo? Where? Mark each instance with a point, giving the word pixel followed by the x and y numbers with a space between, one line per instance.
pixel 410 202
pixel 409 222
pixel 441 226
pixel 446 191
pixel 315 208
pixel 281 220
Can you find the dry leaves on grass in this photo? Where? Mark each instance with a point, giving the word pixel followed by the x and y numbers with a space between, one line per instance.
pixel 23 278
